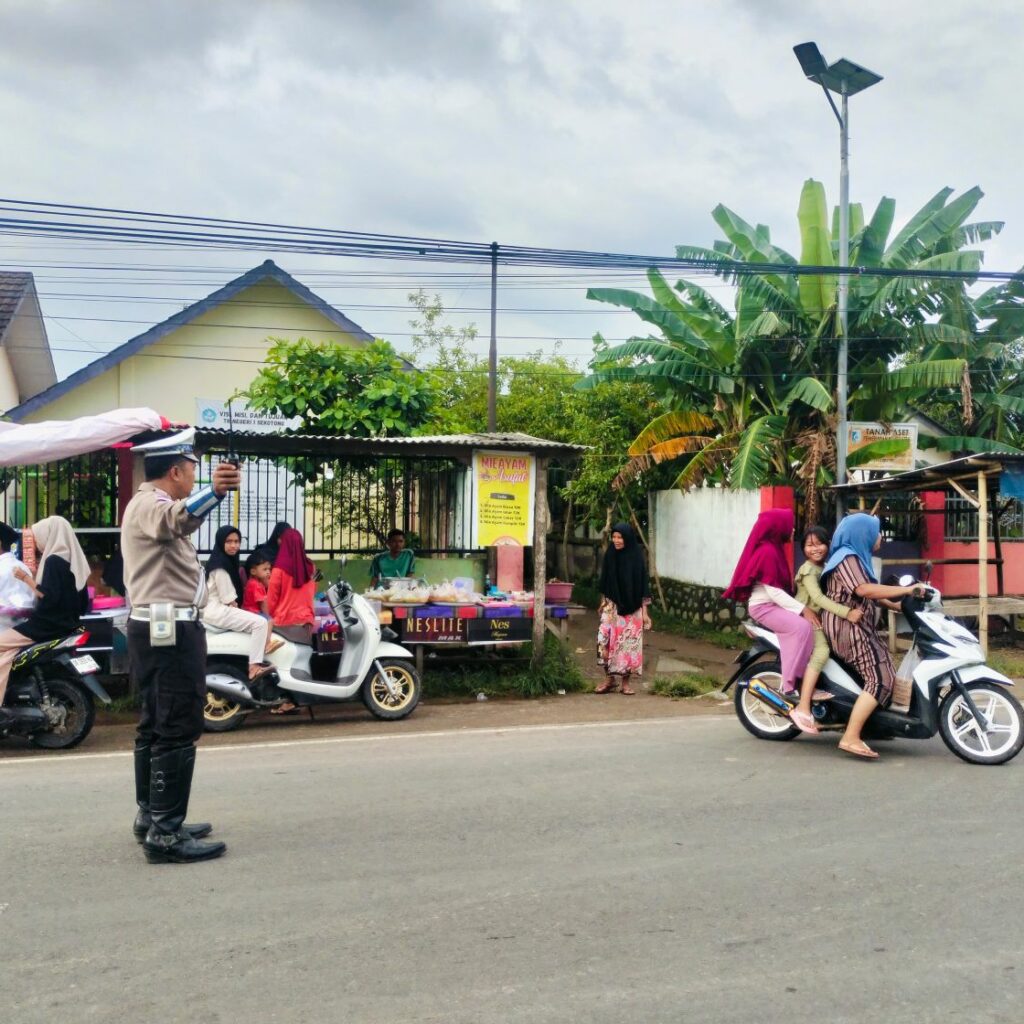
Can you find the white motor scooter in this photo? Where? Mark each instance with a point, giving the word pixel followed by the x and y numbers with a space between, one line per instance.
pixel 369 666
pixel 954 692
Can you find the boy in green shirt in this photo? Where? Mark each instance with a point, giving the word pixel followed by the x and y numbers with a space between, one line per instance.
pixel 396 562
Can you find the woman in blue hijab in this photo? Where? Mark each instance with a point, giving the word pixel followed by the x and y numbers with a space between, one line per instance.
pixel 849 579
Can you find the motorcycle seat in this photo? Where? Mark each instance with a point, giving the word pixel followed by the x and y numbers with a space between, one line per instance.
pixel 29 654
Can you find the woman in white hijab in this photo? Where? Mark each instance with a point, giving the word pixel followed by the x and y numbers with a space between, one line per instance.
pixel 60 589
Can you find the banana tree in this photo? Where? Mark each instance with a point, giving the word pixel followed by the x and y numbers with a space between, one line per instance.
pixel 748 394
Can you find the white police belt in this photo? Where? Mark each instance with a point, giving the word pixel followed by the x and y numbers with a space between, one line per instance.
pixel 183 613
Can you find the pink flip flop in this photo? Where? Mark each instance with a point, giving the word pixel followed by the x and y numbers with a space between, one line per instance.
pixel 804 722
pixel 865 752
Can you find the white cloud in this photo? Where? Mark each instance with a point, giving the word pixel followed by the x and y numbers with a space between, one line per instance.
pixel 577 123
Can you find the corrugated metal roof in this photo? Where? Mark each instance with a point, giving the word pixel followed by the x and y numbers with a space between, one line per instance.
pixel 246 442
pixel 936 476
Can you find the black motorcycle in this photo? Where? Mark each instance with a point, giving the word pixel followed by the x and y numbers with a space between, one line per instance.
pixel 51 696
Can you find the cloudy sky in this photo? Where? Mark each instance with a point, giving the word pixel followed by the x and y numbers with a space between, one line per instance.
pixel 573 123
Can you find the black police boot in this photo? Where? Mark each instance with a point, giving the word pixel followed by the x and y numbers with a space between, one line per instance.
pixel 142 819
pixel 169 786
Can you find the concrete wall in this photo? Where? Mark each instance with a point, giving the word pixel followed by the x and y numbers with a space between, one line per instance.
pixel 211 357
pixel 698 534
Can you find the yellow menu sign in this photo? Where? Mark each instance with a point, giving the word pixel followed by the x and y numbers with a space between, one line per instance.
pixel 503 495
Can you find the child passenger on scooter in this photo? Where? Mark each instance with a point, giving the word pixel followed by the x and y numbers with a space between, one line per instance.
pixel 808 593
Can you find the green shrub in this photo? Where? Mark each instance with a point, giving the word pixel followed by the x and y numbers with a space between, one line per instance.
pixel 687 684
pixel 508 674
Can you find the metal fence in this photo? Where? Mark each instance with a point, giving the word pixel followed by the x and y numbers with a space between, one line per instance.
pixel 348 508
pixel 961 519
pixel 83 490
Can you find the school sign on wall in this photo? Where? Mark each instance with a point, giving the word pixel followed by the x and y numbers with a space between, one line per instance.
pixel 504 485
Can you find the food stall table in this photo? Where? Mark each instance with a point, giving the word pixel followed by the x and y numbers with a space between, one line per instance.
pixel 478 624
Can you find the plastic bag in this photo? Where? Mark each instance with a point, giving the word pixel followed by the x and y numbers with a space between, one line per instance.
pixel 16 598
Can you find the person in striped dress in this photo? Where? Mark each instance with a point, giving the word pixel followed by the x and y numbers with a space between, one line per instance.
pixel 850 580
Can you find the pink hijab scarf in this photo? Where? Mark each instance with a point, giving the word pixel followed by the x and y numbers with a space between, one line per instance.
pixel 764 556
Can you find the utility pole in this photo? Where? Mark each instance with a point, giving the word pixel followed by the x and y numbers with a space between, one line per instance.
pixel 492 374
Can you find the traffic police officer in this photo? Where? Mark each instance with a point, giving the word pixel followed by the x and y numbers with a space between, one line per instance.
pixel 166 589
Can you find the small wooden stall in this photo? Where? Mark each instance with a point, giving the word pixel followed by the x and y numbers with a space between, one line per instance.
pixel 979 480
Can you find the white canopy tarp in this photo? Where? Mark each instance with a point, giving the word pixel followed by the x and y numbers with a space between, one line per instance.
pixel 25 444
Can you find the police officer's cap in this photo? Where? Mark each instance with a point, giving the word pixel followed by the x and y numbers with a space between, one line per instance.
pixel 181 444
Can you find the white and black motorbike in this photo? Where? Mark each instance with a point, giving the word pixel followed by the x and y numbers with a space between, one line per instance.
pixel 369 666
pixel 52 693
pixel 953 691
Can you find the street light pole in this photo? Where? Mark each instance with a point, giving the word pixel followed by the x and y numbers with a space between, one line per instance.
pixel 843 299
pixel 845 78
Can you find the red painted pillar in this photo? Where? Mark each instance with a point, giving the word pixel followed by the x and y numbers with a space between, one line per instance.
pixel 777 497
pixel 934 502
pixel 780 497
pixel 124 479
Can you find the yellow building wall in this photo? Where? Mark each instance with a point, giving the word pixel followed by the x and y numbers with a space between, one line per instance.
pixel 8 385
pixel 211 357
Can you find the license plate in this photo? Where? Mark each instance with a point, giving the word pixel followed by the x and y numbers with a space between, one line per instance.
pixel 84 664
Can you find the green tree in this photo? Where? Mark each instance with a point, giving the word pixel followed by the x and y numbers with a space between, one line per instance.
pixel 536 395
pixel 367 391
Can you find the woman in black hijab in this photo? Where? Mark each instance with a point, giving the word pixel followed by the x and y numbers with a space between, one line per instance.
pixel 625 594
pixel 224 604
pixel 272 545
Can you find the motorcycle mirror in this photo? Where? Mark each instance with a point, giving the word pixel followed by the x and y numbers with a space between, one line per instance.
pixel 907 580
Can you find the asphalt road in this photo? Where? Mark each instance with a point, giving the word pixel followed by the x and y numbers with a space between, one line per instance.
pixel 671 871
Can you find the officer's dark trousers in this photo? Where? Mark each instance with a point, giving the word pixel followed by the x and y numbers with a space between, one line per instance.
pixel 171 683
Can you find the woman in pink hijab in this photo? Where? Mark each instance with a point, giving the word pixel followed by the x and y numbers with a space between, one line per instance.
pixel 763 578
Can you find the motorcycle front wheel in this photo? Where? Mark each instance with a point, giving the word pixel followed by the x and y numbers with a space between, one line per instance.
pixel 78 712
pixel 405 681
pixel 221 713
pixel 755 716
pixel 1002 712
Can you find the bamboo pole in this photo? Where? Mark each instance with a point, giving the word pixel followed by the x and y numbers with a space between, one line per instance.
pixel 983 560
pixel 540 559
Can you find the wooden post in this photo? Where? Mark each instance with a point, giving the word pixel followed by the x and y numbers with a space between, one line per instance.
pixel 997 541
pixel 540 559
pixel 983 560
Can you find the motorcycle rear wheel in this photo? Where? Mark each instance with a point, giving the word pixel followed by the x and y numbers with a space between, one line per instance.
pixel 404 677
pixel 755 716
pixel 220 713
pixel 79 715
pixel 1001 710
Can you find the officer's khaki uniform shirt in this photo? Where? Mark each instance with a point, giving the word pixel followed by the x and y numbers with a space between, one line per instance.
pixel 160 562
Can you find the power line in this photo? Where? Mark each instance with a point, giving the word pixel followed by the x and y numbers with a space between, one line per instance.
pixel 134 227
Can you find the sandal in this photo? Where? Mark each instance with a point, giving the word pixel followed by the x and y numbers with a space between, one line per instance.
pixel 607 686
pixel 287 708
pixel 804 722
pixel 627 690
pixel 276 644
pixel 862 751
pixel 261 670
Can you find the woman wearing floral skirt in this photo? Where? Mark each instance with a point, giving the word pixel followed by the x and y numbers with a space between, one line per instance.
pixel 625 595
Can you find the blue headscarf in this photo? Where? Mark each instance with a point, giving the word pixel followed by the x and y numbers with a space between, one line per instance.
pixel 856 535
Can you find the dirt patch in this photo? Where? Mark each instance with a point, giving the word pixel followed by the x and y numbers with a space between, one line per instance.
pixel 716 661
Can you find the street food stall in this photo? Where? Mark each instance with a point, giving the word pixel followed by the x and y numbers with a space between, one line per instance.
pixel 475 502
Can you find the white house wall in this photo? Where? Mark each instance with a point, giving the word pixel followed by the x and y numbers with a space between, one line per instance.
pixel 699 534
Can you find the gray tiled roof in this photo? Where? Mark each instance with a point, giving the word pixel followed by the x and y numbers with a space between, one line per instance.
pixel 13 285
